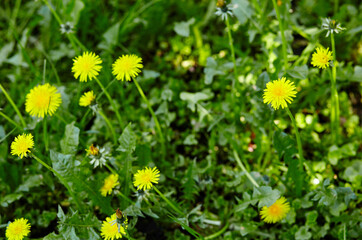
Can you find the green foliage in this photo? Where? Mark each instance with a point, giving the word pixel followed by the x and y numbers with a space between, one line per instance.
pixel 207 109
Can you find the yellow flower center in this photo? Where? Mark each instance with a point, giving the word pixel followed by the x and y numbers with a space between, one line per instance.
pixel 17 229
pixel 146 177
pixel 279 92
pixel 275 210
pixel 42 100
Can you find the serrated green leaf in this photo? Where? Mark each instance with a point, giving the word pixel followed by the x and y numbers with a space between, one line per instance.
pixel 183 28
pixel 127 141
pixel 242 10
pixel 265 195
pixel 298 72
pixel 70 141
pixel 303 234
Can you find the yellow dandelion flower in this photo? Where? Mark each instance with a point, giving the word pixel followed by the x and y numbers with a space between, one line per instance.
pixel 21 144
pixel 127 67
pixel 109 183
pixel 87 99
pixel 43 100
pixel 279 93
pixel 18 229
pixel 92 150
pixel 111 229
pixel 144 178
pixel 321 58
pixel 86 66
pixel 275 212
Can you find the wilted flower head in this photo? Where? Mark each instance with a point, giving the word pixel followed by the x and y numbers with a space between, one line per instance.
pixel 98 156
pixel 331 26
pixel 66 28
pixel 224 11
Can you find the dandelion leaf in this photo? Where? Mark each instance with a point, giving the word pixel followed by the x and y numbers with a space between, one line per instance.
pixel 70 141
pixel 265 195
pixel 127 141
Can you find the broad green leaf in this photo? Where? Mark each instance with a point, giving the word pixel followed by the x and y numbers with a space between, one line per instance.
pixel 5 51
pixel 183 28
pixel 242 10
pixel 357 76
pixel 265 195
pixel 298 72
pixel 70 141
pixel 311 217
pixel 303 234
pixel 353 173
pixel 190 140
pixel 64 165
pixel 127 141
pixel 53 236
pixel 211 70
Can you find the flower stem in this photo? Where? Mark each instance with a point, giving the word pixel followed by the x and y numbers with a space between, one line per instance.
pixel 111 102
pixel 82 122
pixel 13 105
pixel 237 158
pixel 109 124
pixel 62 180
pixel 10 120
pixel 334 92
pixel 215 235
pixel 231 43
pixel 71 37
pixel 45 135
pixel 158 127
pixel 299 142
pixel 111 169
pixel 169 202
pixel 284 41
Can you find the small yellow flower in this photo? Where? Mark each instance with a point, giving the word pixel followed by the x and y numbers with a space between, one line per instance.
pixel 127 67
pixel 109 183
pixel 321 58
pixel 86 66
pixel 87 99
pixel 275 212
pixel 144 178
pixel 92 150
pixel 279 93
pixel 21 144
pixel 111 229
pixel 43 100
pixel 18 229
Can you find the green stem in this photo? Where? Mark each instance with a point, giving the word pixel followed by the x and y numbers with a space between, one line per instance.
pixel 125 197
pixel 158 127
pixel 13 105
pixel 45 135
pixel 169 202
pixel 232 51
pixel 10 120
pixel 109 124
pixel 215 235
pixel 334 92
pixel 98 97
pixel 284 41
pixel 237 158
pixel 111 102
pixel 65 183
pixel 111 169
pixel 299 142
pixel 72 38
